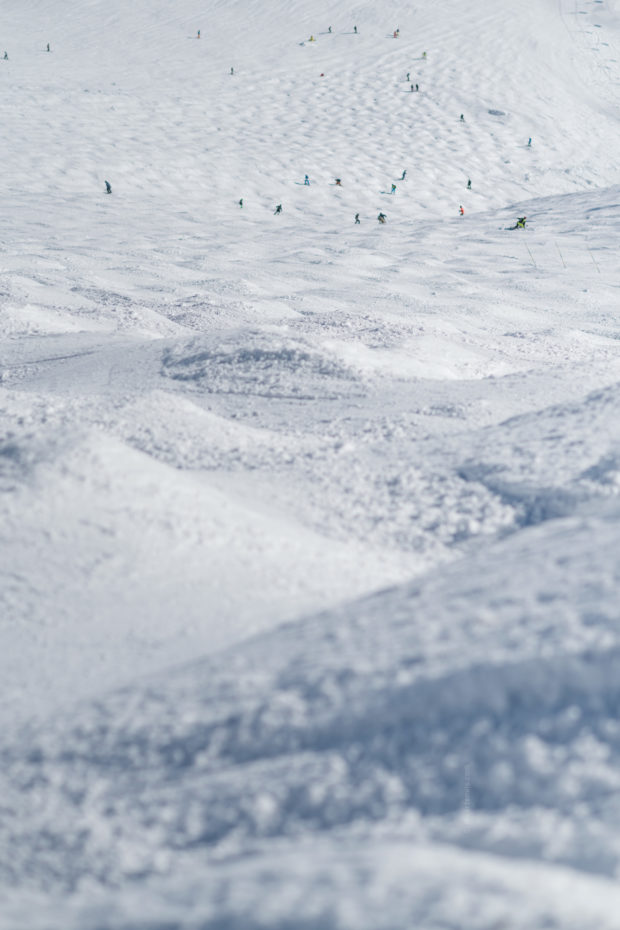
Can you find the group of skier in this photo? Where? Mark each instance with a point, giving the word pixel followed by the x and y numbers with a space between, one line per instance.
pixel 520 224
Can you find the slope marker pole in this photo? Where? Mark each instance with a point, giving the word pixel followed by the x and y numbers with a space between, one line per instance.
pixel 560 254
pixel 593 259
pixel 530 254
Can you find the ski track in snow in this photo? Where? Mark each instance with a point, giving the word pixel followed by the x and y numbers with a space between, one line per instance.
pixel 308 575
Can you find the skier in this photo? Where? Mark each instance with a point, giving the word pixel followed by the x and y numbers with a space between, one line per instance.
pixel 311 39
pixel 241 203
pixel 461 211
pixel 278 209
pixel 48 47
pixel 393 191
pixel 403 175
pixel 6 56
pixel 381 217
pixel 355 30
pixel 469 184
pixel 423 54
pixel 462 118
pixel 357 219
pixel 232 70
pixel 529 142
pixel 307 181
pixel 337 182
pixel 108 187
pixel 408 78
pixel 417 87
pixel 396 33
pixel 198 34
pixel 520 224
pixel 329 28
pixel 412 88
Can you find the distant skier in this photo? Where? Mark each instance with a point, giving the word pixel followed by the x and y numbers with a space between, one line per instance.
pixel 529 142
pixel 311 39
pixel 48 47
pixel 423 54
pixel 307 181
pixel 403 175
pixel 357 219
pixel 198 34
pixel 232 70
pixel 408 77
pixel 355 30
pixel 461 211
pixel 412 89
pixel 241 202
pixel 393 191
pixel 469 184
pixel 337 182
pixel 278 209
pixel 462 118
pixel 108 187
pixel 520 224
pixel 396 33
pixel 381 217
pixel 6 56
pixel 329 28
pixel 417 87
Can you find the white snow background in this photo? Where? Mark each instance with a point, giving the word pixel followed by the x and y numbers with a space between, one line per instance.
pixel 309 531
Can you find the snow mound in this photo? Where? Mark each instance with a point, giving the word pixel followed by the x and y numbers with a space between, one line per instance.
pixel 441 712
pixel 266 366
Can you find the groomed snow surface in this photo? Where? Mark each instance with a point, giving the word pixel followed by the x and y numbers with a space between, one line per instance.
pixel 309 530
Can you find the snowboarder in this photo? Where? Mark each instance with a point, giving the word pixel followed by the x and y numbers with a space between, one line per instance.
pixel 403 175
pixel 241 202
pixel 469 184
pixel 381 217
pixel 357 219
pixel 393 191
pixel 307 181
pixel 337 182
pixel 520 224
pixel 461 211
pixel 108 187
pixel 278 209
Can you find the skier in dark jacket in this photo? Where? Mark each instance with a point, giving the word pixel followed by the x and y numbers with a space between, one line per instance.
pixel 381 217
pixel 108 187
pixel 278 209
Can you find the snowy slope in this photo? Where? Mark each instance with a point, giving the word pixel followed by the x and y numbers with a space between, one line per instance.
pixel 309 530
